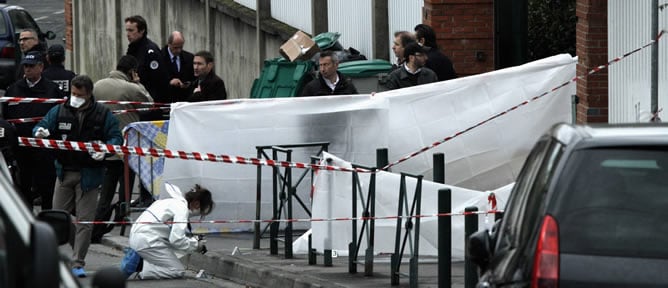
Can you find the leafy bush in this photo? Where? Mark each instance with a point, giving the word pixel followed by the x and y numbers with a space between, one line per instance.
pixel 551 28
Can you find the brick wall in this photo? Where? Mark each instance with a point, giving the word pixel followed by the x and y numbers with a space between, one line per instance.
pixel 592 50
pixel 464 29
pixel 68 25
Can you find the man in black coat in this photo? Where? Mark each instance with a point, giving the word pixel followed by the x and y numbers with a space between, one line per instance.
pixel 330 81
pixel 436 60
pixel 37 171
pixel 181 73
pixel 153 73
pixel 208 85
pixel 56 71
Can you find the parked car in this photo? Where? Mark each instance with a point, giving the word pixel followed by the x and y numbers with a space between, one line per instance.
pixel 13 19
pixel 588 210
pixel 29 254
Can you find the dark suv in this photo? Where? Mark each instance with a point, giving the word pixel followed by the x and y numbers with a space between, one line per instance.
pixel 587 210
pixel 13 19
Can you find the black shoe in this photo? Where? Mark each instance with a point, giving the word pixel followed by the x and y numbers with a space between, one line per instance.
pixel 141 203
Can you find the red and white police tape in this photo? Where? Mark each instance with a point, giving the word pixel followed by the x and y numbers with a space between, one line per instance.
pixel 291 220
pixel 115 112
pixel 62 100
pixel 155 152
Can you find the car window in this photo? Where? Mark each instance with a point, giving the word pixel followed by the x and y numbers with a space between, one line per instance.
pixel 22 20
pixel 3 24
pixel 518 198
pixel 613 202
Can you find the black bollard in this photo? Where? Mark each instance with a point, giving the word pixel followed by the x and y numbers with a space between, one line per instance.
pixel 444 238
pixel 470 227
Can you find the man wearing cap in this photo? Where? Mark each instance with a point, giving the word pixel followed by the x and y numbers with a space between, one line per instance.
pixel 35 164
pixel 413 72
pixel 56 71
pixel 181 72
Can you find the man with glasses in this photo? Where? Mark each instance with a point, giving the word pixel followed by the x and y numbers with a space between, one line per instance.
pixel 37 172
pixel 29 42
pixel 413 72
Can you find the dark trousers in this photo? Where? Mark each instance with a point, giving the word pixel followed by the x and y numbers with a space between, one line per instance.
pixel 37 175
pixel 113 177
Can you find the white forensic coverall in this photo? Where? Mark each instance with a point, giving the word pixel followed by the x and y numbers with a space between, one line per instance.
pixel 157 244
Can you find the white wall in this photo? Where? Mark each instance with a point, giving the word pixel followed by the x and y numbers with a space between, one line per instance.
pixel 629 27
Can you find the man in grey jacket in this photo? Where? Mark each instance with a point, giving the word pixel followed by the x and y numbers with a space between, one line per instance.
pixel 121 85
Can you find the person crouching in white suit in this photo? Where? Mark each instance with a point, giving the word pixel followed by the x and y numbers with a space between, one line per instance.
pixel 157 243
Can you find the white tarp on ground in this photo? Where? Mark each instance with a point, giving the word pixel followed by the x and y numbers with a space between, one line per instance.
pixel 332 199
pixel 403 121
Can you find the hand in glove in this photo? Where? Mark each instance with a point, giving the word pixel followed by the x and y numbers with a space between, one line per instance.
pixel 42 132
pixel 201 247
pixel 97 156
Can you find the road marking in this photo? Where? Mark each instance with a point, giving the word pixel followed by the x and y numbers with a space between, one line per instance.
pixel 41 18
pixel 58 12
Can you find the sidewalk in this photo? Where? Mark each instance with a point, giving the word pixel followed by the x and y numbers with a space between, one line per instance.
pixel 257 268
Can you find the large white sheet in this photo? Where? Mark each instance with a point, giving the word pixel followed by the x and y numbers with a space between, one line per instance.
pixel 332 199
pixel 403 120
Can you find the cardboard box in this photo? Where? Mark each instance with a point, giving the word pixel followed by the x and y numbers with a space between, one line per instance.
pixel 299 47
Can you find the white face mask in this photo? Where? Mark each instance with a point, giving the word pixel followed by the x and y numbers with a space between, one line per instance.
pixel 76 102
pixel 194 213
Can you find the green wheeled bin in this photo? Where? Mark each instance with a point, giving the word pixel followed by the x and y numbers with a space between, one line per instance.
pixel 281 78
pixel 367 75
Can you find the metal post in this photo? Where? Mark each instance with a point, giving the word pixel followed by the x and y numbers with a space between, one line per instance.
pixel 654 86
pixel 273 227
pixel 470 227
pixel 258 205
pixel 439 168
pixel 352 247
pixel 444 238
pixel 382 158
pixel 288 227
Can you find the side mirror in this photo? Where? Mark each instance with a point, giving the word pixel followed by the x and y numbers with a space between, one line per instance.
pixel 50 35
pixel 60 221
pixel 44 258
pixel 109 277
pixel 479 249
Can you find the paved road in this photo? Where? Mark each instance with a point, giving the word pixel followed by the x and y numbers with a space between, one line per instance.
pixel 100 256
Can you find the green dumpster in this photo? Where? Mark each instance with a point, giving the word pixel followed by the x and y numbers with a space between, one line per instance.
pixel 367 75
pixel 281 78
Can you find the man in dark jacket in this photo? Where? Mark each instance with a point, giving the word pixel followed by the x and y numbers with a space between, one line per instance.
pixel 36 172
pixel 436 61
pixel 208 85
pixel 56 71
pixel 181 72
pixel 80 173
pixel 330 81
pixel 153 74
pixel 413 72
